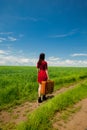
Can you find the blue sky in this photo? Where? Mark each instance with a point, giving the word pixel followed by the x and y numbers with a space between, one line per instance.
pixel 56 27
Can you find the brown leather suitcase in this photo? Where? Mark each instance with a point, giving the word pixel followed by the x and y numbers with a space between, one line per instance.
pixel 47 87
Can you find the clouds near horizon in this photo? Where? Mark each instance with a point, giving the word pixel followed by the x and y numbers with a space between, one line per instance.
pixel 10 58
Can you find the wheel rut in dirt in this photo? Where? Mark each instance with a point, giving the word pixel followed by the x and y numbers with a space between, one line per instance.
pixel 76 120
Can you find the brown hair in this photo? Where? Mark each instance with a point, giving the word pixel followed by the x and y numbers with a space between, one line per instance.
pixel 41 58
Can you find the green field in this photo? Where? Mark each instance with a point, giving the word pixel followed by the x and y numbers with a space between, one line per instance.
pixel 18 84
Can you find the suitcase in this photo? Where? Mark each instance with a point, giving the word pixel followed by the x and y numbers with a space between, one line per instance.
pixel 47 87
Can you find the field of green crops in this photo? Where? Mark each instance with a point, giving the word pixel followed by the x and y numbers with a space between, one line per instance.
pixel 19 83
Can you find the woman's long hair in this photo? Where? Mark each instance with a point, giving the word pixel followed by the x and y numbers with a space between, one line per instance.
pixel 41 58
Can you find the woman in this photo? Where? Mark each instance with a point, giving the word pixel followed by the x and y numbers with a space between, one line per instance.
pixel 42 74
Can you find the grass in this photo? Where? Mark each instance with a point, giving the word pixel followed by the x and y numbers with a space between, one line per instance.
pixel 19 84
pixel 41 117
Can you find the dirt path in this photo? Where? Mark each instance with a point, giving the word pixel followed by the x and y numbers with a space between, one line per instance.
pixel 13 117
pixel 76 120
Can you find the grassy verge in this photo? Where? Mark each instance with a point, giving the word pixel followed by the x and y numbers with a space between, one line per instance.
pixel 40 118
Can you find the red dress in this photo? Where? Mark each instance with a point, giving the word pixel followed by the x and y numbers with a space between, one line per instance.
pixel 42 75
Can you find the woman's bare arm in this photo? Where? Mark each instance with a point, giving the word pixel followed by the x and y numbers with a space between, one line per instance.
pixel 47 74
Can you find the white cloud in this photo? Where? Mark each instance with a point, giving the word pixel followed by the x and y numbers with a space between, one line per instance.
pixel 11 57
pixel 24 60
pixel 11 38
pixel 65 35
pixel 5 33
pixel 2 52
pixel 52 58
pixel 15 60
pixel 59 35
pixel 8 36
pixel 79 54
pixel 2 39
pixel 68 62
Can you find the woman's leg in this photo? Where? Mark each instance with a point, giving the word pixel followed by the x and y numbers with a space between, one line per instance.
pixel 44 96
pixel 39 89
pixel 39 95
